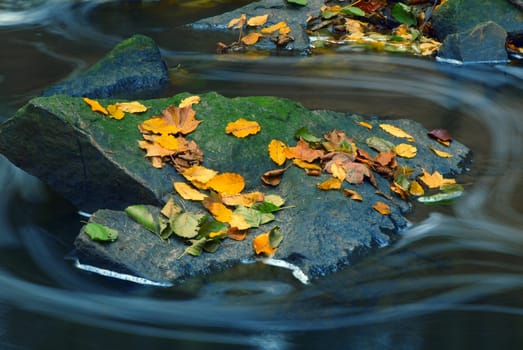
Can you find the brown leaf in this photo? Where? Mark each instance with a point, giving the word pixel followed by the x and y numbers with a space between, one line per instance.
pixel 356 173
pixel 440 134
pixel 338 141
pixel 330 184
pixel 385 158
pixel 273 177
pixel 237 23
pixel 182 118
pixel 303 151
pixel 381 208
pixel 236 234
pixel 370 6
pixel 186 159
pixel 355 196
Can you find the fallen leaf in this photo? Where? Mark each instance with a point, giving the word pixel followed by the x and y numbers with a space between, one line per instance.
pixel 237 23
pixel 395 131
pixel 273 177
pixel 188 192
pixel 440 134
pixel 381 208
pixel 257 20
pixel 236 234
pixel 131 107
pixel 227 183
pixel 238 221
pixel 142 215
pixel 415 189
pixel 405 150
pixel 434 180
pixel 182 118
pixel 338 141
pixel 370 6
pixel 95 106
pixel 158 125
pixel 245 199
pixel 170 208
pixel 168 142
pixel 251 38
pixel 277 151
pixel 187 224
pixel 330 184
pixel 274 199
pixel 338 171
pixel 154 149
pixel 199 173
pixel 306 165
pixel 262 245
pixel 189 101
pixel 305 134
pixel 356 173
pixel 379 144
pixel 355 196
pixel 276 27
pixel 101 233
pixel 365 125
pixel 385 158
pixel 242 128
pixel 441 154
pixel 303 151
pixel 115 112
pixel 218 210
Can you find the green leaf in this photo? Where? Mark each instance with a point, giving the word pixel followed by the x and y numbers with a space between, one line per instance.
pixel 211 226
pixel 252 217
pixel 379 144
pixel 447 195
pixel 211 245
pixel 141 214
pixel 305 134
pixel 298 2
pixel 403 14
pixel 353 10
pixel 266 217
pixel 187 224
pixel 274 199
pixel 99 232
pixel 196 247
pixel 275 237
pixel 328 14
pixel 164 228
pixel 266 207
pixel 402 181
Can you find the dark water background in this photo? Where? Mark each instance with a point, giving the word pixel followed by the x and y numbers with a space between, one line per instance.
pixel 454 280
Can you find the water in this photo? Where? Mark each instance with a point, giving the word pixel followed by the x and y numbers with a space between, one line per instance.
pixel 452 281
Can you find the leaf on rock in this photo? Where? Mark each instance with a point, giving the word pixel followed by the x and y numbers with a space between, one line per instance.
pixel 227 183
pixel 405 150
pixel 267 243
pixel 365 125
pixel 142 215
pixel 440 134
pixel 303 151
pixel 356 173
pixel 237 23
pixel 219 211
pixel 273 177
pixel 298 2
pixel 415 189
pixel 448 195
pixel 158 125
pixel 189 193
pixel 257 20
pixel 435 180
pixel 239 222
pixel 338 141
pixel 440 153
pixel 354 195
pixel 236 234
pixel 245 199
pixel 274 199
pixel 101 233
pixel 370 6
pixel 196 247
pixel 338 171
pixel 131 107
pixel 404 14
pixel 181 118
pixel 170 208
pixel 330 184
pixel 381 208
pixel 242 128
pixel 395 131
pixel 154 149
pixel 189 101
pixel 199 174
pixel 305 134
pixel 251 38
pixel 282 27
pixel 251 216
pixel 379 144
pixel 306 165
pixel 385 158
pixel 168 142
pixel 187 224
pixel 115 112
pixel 277 151
pixel 95 106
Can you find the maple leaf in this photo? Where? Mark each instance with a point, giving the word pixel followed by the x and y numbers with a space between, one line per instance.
pixel 277 151
pixel 242 128
pixel 95 106
pixel 188 192
pixel 405 150
pixel 381 208
pixel 257 20
pixel 192 156
pixel 181 118
pixel 273 177
pixel 434 180
pixel 395 131
pixel 303 151
pixel 227 183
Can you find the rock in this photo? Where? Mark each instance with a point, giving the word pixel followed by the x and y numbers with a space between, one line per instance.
pixel 95 162
pixel 485 43
pixel 133 69
pixel 456 16
pixel 278 10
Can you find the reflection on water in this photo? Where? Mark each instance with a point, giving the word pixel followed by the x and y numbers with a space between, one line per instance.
pixel 453 280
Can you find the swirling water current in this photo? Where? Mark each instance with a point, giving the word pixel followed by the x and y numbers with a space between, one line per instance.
pixel 454 279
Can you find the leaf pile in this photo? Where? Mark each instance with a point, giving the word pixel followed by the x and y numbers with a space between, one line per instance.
pixel 379 25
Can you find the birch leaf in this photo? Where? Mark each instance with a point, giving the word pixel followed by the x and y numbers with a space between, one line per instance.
pixel 242 128
pixel 277 151
pixel 227 183
pixel 405 150
pixel 395 131
pixel 187 192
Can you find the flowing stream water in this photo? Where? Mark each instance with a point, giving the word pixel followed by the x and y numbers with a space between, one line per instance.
pixel 453 280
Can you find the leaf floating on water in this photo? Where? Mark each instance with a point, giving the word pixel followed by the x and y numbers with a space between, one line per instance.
pixel 441 154
pixel 257 20
pixel 277 151
pixel 398 132
pixel 381 208
pixel 101 233
pixel 242 128
pixel 405 150
pixel 142 215
pixel 95 106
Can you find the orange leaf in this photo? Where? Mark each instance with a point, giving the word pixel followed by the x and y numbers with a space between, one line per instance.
pixel 441 154
pixel 237 23
pixel 415 189
pixel 154 149
pixel 189 101
pixel 95 106
pixel 261 244
pixel 245 199
pixel 257 20
pixel 273 177
pixel 384 158
pixel 251 38
pixel 131 107
pixel 115 112
pixel 303 151
pixel 370 6
pixel 381 208
pixel 237 235
pixel 306 165
pixel 242 128
pixel 158 125
pixel 355 196
pixel 182 118
pixel 405 150
pixel 168 141
pixel 219 211
pixel 277 151
pixel 338 171
pixel 395 131
pixel 365 125
pixel 435 180
pixel 188 192
pixel 199 174
pixel 227 183
pixel 278 26
pixel 330 184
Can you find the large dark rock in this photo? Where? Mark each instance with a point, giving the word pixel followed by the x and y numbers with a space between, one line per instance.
pixel 456 16
pixel 95 162
pixel 278 10
pixel 133 69
pixel 485 43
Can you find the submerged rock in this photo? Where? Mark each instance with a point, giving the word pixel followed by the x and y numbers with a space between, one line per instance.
pixel 133 69
pixel 95 162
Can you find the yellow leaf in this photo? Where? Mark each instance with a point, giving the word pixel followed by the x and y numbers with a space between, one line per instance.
pixel 199 173
pixel 131 107
pixel 251 38
pixel 238 221
pixel 395 131
pixel 237 23
pixel 245 199
pixel 154 149
pixel 158 125
pixel 277 151
pixel 338 171
pixel 273 28
pixel 285 30
pixel 170 208
pixel 115 112
pixel 435 180
pixel 330 184
pixel 189 101
pixel 168 141
pixel 441 154
pixel 405 150
pixel 306 165
pixel 415 189
pixel 257 20
pixel 219 211
pixel 261 244
pixel 182 118
pixel 381 208
pixel 95 106
pixel 188 192
pixel 242 128
pixel 227 183
pixel 355 196
pixel 365 125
